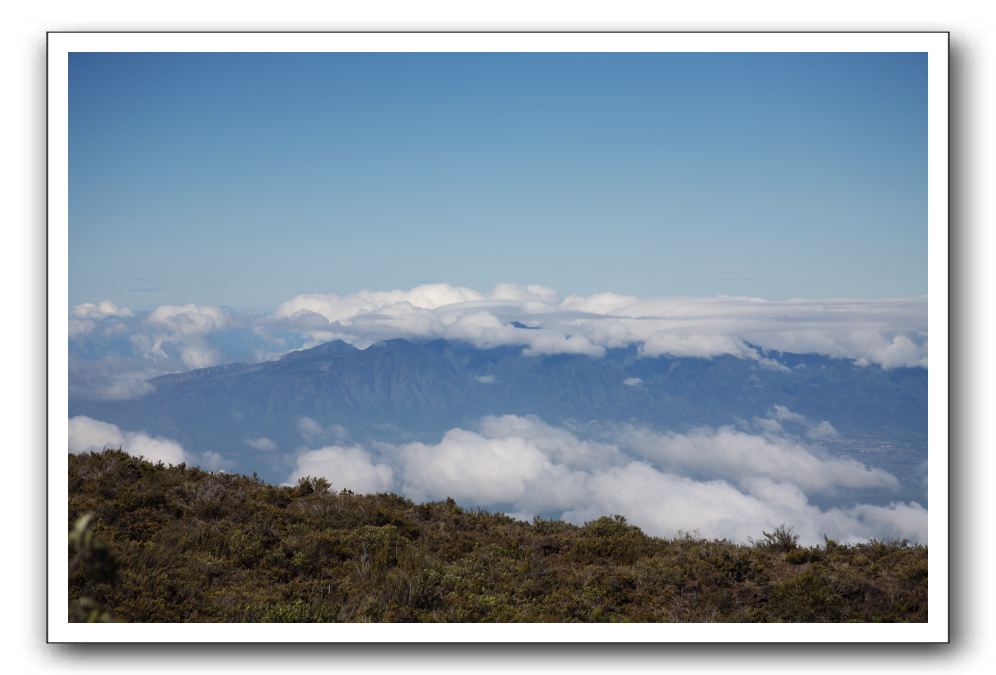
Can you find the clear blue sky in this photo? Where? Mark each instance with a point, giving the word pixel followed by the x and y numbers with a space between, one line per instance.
pixel 243 179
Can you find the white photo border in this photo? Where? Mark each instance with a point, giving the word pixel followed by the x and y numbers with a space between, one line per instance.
pixel 61 44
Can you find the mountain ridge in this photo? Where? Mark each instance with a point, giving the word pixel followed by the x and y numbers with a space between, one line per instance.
pixel 403 390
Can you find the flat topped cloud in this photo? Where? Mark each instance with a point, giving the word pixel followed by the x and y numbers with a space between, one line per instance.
pixel 136 346
pixel 890 332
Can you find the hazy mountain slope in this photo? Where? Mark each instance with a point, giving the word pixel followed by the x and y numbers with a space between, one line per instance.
pixel 399 389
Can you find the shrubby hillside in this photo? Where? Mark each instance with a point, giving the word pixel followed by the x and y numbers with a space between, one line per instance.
pixel 152 543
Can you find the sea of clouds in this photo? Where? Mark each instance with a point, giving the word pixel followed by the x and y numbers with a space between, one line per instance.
pixel 729 482
pixel 114 350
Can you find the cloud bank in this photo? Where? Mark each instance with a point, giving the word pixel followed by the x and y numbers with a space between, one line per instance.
pixel 86 434
pixel 724 483
pixel 115 350
pixel 890 333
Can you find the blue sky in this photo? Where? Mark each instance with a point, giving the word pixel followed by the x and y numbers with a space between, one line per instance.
pixel 244 179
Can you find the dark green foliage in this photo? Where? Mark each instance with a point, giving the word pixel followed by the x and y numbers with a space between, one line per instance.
pixel 179 544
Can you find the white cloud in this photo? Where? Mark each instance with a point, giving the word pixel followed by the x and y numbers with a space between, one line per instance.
pixel 779 416
pixel 89 434
pixel 186 326
pixel 486 379
pixel 544 342
pixel 86 434
pixel 189 319
pixel 734 456
pixel 889 332
pixel 530 293
pixel 632 381
pixel 468 466
pixel 720 482
pixel 783 414
pixel 89 310
pixel 344 467
pixel 262 443
pixel 336 307
pixel 85 317
pixel 172 338
pixel 701 345
pixel 822 431
pixel 311 431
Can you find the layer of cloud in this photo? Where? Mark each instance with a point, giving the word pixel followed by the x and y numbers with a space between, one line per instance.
pixel 725 483
pixel 732 455
pixel 115 350
pixel 261 443
pixel 890 333
pixel 86 435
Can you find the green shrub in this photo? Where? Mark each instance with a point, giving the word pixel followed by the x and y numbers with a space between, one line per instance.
pixel 153 543
pixel 782 538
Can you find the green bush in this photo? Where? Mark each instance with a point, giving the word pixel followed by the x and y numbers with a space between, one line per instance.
pixel 782 538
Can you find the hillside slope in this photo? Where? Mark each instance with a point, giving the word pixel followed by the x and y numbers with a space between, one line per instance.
pixel 175 544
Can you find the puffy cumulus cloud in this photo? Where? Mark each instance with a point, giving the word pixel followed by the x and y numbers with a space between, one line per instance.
pixel 469 466
pixel 186 328
pixel 101 310
pixel 664 503
pixel 345 467
pixel 734 456
pixel 563 446
pixel 895 521
pixel 85 317
pixel 719 482
pixel 86 434
pixel 189 319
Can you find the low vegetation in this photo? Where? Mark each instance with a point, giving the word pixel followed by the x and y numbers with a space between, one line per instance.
pixel 151 543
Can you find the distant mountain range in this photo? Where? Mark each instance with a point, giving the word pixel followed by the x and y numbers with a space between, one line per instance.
pixel 401 390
